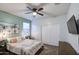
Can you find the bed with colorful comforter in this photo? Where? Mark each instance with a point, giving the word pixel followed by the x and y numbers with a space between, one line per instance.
pixel 25 47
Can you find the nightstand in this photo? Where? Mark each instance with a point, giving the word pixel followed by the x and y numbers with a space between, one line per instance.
pixel 2 47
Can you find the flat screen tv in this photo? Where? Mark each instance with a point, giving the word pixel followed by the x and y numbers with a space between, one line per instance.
pixel 72 25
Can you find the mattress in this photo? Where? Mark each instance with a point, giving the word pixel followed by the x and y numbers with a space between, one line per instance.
pixel 26 47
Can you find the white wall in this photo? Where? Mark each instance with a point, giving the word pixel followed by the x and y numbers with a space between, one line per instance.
pixel 38 24
pixel 64 35
pixel 36 32
pixel 60 20
pixel 71 38
pixel 50 34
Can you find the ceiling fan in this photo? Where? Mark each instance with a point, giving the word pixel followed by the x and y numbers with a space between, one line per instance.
pixel 32 9
pixel 35 11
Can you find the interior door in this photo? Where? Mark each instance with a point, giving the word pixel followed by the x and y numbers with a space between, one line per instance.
pixel 50 34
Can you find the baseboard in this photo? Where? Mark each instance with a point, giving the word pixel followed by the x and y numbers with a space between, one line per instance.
pixel 52 45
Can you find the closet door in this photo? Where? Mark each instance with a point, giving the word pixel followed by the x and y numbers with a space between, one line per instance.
pixel 45 34
pixel 50 34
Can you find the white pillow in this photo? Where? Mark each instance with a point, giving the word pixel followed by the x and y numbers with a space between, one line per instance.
pixel 19 39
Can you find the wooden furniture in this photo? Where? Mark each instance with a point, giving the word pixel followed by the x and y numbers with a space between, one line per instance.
pixel 2 47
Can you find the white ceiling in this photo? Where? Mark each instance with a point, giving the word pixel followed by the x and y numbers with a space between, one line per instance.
pixel 50 10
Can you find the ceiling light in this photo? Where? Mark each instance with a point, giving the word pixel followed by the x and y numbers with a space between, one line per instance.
pixel 34 13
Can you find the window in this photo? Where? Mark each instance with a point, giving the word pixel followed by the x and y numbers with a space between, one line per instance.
pixel 26 29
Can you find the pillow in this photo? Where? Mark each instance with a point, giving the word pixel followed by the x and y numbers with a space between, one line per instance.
pixel 1 39
pixel 13 40
pixel 19 39
pixel 8 40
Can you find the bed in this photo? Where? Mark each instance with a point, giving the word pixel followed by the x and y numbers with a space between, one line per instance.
pixel 25 47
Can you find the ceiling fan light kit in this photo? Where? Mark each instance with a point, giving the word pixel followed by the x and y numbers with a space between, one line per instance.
pixel 34 13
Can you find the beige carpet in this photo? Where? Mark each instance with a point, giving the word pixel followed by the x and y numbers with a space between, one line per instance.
pixel 49 50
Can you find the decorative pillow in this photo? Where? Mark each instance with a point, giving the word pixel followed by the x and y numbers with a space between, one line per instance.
pixel 19 39
pixel 1 39
pixel 13 40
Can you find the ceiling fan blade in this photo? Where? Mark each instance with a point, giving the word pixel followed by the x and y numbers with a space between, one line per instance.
pixel 40 9
pixel 57 3
pixel 29 8
pixel 23 10
pixel 28 12
pixel 40 14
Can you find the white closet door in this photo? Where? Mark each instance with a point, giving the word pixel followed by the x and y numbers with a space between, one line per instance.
pixel 50 34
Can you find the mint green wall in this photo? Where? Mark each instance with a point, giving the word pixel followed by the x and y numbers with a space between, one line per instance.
pixel 12 19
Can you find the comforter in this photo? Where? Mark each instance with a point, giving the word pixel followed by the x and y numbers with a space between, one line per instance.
pixel 26 47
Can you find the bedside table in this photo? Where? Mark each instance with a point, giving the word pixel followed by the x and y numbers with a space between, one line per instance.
pixel 2 47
